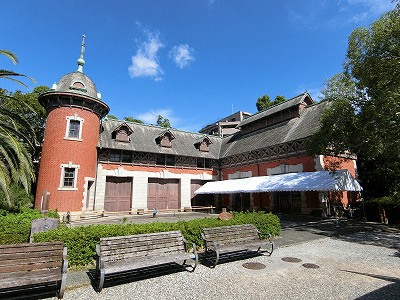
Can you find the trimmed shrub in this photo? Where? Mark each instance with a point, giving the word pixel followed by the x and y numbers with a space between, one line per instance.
pixel 15 227
pixel 81 241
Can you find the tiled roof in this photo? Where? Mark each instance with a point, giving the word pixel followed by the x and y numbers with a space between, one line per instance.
pixel 143 139
pixel 291 130
pixel 281 106
pixel 68 80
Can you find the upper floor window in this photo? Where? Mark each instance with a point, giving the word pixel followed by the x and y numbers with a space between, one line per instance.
pixel 74 128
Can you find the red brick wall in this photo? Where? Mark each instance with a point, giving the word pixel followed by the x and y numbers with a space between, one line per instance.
pixel 261 169
pixel 57 150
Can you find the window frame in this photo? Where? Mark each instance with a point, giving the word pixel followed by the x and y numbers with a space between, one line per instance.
pixel 74 119
pixel 64 170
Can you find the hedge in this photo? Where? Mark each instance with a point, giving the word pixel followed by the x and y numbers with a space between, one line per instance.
pixel 81 241
pixel 15 227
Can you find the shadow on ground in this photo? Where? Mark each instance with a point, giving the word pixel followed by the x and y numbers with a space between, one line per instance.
pixel 390 291
pixel 308 228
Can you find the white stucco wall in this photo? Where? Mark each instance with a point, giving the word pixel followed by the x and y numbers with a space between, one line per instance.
pixel 140 185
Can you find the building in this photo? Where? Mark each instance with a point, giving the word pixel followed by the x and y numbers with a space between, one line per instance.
pixel 90 165
pixel 226 126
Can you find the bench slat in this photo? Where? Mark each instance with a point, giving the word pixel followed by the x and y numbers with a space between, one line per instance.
pixel 31 267
pixel 234 238
pixel 119 254
pixel 121 266
pixel 30 264
pixel 48 254
pixel 17 279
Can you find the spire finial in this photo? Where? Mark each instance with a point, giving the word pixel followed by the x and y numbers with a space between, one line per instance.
pixel 81 61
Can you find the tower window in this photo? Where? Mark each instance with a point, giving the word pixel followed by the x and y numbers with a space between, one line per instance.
pixel 69 176
pixel 74 128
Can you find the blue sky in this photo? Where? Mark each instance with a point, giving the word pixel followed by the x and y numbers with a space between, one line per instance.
pixel 192 61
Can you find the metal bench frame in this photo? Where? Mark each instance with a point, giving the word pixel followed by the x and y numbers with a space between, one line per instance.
pixel 30 265
pixel 127 253
pixel 235 239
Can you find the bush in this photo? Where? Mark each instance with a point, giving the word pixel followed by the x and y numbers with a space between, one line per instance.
pixel 19 199
pixel 15 227
pixel 81 241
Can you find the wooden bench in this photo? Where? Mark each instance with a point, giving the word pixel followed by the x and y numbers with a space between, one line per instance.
pixel 33 265
pixel 235 240
pixel 127 253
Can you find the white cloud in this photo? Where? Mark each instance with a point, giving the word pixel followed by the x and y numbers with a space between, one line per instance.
pixel 150 117
pixel 368 9
pixel 182 55
pixel 145 62
pixel 376 7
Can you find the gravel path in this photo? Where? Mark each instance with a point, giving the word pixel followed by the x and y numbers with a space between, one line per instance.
pixel 347 270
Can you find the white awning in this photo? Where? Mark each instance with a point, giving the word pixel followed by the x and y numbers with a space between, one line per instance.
pixel 340 180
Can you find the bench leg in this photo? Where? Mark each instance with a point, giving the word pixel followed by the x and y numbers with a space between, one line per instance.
pixel 64 270
pixel 216 258
pixel 101 277
pixel 270 248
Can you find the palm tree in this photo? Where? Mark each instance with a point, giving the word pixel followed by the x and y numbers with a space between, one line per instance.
pixel 15 147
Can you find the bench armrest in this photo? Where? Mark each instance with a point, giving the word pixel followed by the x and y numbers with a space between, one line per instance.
pixel 99 258
pixel 263 235
pixel 209 244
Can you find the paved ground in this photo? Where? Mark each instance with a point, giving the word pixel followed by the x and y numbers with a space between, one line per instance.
pixel 352 261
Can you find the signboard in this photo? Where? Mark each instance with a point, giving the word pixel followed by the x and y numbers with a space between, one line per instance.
pixel 41 225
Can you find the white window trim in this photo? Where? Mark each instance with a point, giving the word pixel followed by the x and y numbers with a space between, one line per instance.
pixel 75 118
pixel 69 165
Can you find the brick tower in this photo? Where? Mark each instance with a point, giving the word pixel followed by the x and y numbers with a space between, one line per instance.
pixel 69 153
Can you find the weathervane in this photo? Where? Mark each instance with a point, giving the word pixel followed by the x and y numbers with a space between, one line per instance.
pixel 81 61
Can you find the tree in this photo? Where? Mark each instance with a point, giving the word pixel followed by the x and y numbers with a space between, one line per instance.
pixel 110 117
pixel 265 102
pixel 163 122
pixel 15 146
pixel 364 109
pixel 10 75
pixel 133 120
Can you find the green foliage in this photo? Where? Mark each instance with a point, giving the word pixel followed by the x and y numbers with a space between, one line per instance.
pixel 389 201
pixel 163 122
pixel 364 116
pixel 10 75
pixel 81 241
pixel 133 120
pixel 19 198
pixel 15 226
pixel 17 138
pixel 110 117
pixel 265 102
pixel 27 106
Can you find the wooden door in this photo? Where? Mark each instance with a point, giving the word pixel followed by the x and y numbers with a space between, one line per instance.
pixel 163 194
pixel 118 194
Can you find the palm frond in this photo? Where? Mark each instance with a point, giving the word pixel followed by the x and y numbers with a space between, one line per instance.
pixel 10 55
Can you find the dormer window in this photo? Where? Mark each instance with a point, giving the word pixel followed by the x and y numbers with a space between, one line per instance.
pixel 165 139
pixel 79 86
pixel 203 144
pixel 122 133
